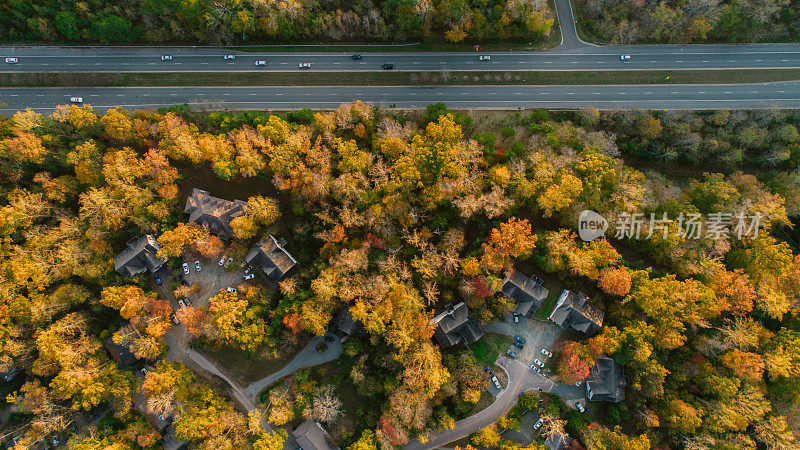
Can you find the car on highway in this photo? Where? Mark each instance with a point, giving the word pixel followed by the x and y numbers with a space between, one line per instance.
pixel 547 353
pixel 304 65
pixel 534 368
pixel 625 57
pixel 538 363
pixel 261 62
pixel 519 339
pixel 231 290
pixel 227 57
pixel 511 354
pixel 484 58
pixel 166 58
pixel 249 276
pixel 197 266
pixel 76 99
pixel 185 268
pixel 387 66
pixel 354 57
pixel 11 60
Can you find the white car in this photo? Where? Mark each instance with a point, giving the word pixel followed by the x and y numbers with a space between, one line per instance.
pixel 166 58
pixel 546 353
pixel 580 407
pixel 304 65
pixel 484 58
pixel 185 268
pixel 538 363
pixel 534 368
pixel 197 266
pixel 261 62
pixel 222 260
pixel 625 57
pixel 578 383
pixel 232 290
pixel 76 99
pixel 246 271
pixel 11 60
pixel 227 57
pixel 181 303
pixel 538 423
pixel 249 276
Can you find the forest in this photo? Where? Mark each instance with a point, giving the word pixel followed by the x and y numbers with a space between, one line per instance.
pixel 229 22
pixel 692 21
pixel 395 215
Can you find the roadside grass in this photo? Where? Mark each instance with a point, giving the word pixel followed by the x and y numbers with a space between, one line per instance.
pixel 397 78
pixel 244 367
pixel 488 348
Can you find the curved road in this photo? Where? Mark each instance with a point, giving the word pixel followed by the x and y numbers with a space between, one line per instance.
pixel 784 95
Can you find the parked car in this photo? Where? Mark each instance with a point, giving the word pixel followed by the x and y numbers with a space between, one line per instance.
pixel 304 65
pixel 519 339
pixel 580 407
pixel 518 345
pixel 496 382
pixel 484 58
pixel 516 318
pixel 181 303
pixel 166 58
pixel 184 282
pixel 157 279
pixel 355 57
pixel 231 290
pixel 538 363
pixel 11 60
pixel 511 354
pixel 174 319
pixel 328 338
pixel 246 271
pixel 625 57
pixel 534 368
pixel 261 62
pixel 387 66
pixel 227 57
pixel 76 99
pixel 229 261
pixel 186 301
pixel 185 268
pixel 249 276
pixel 538 423
pixel 547 353
pixel 222 260
pixel 197 266
pixel 578 383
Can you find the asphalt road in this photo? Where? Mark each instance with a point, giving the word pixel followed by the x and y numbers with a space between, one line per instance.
pixel 784 95
pixel 572 55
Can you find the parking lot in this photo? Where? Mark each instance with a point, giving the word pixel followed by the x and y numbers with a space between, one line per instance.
pixel 212 277
pixel 537 335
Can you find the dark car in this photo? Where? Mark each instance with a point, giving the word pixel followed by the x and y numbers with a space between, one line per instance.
pixel 328 338
pixel 518 345
pixel 519 339
pixel 355 57
pixel 158 279
pixel 387 66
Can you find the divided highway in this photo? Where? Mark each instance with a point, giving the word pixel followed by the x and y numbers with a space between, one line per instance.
pixel 784 95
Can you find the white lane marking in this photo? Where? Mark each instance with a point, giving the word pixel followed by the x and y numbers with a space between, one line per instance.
pixel 443 62
pixel 126 64
pixel 100 64
pixel 595 93
pixel 575 62
pixel 225 95
pixel 278 94
pixel 785 60
pixel 149 64
pixel 705 61
pixel 200 94
pixel 648 93
pixel 548 62
pixel 440 93
pixel 40 95
pixel 522 62
pixel 729 92
pixel 336 64
pixel 306 94
pixel 253 94
pixel 45 64
pixel 679 61
pixel 517 93
pixel 570 93
pixel 599 62
pixel 653 61
pixel 781 92
pixel 283 63
pixel 412 62
pixel 71 64
pixel 120 95
pixel 465 93
pixel 95 95
pixel 701 92
pixel 178 63
pixel 673 92
pixel 754 92
pixel 412 93
pixel 13 95
pixel 731 60
pixel 173 95
pixel 759 60
pixel 203 64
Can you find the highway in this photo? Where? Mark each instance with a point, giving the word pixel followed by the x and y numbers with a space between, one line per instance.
pixel 584 57
pixel 784 95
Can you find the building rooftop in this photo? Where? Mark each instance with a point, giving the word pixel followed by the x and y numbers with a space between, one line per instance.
pixel 121 353
pixel 270 256
pixel 212 213
pixel 556 441
pixel 455 325
pixel 527 293
pixel 573 310
pixel 141 255
pixel 311 436
pixel 606 382
pixel 346 324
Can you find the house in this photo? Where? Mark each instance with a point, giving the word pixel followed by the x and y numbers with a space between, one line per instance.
pixel 121 353
pixel 270 256
pixel 8 375
pixel 311 436
pixel 527 293
pixel 139 400
pixel 346 324
pixel 455 325
pixel 170 442
pixel 140 256
pixel 212 213
pixel 557 441
pixel 573 310
pixel 606 382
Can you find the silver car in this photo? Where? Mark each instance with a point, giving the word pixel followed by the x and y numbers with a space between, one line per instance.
pixel 11 60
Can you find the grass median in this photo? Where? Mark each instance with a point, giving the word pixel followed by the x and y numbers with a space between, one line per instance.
pixel 397 78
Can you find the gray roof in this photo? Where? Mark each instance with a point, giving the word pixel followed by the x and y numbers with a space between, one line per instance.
pixel 270 256
pixel 528 294
pixel 455 325
pixel 346 323
pixel 212 213
pixel 140 404
pixel 573 310
pixel 122 354
pixel 556 441
pixel 140 256
pixel 311 436
pixel 170 442
pixel 606 382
